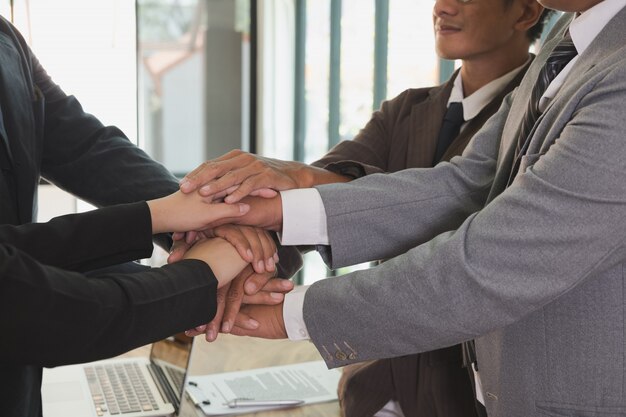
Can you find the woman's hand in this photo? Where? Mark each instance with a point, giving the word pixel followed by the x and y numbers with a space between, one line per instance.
pixel 180 212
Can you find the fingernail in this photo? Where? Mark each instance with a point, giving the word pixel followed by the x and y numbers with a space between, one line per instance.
pixel 201 328
pixel 253 324
pixel 206 190
pixel 250 256
pixel 243 208
pixel 276 258
pixel 276 295
pixel 184 185
pixel 250 288
pixel 210 335
pixel 226 327
pixel 269 264
pixel 261 266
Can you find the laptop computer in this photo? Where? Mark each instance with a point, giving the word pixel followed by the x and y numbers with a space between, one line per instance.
pixel 134 387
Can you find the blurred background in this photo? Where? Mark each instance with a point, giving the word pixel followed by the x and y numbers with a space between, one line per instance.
pixel 189 80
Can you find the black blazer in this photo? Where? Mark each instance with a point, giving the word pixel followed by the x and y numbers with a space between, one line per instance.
pixel 46 133
pixel 52 314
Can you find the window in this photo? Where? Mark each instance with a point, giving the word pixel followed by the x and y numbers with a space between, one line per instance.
pixel 193 72
pixel 346 57
pixel 88 48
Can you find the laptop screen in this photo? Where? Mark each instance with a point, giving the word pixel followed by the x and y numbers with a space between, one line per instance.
pixel 170 360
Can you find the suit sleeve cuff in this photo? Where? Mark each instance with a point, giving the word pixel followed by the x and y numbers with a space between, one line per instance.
pixel 304 218
pixel 293 314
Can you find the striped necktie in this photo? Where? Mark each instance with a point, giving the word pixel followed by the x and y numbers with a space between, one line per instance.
pixel 558 59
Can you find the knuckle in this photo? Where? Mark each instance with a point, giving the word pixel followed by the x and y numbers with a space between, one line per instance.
pixel 234 294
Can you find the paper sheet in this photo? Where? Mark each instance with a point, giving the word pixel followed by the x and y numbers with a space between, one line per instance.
pixel 308 381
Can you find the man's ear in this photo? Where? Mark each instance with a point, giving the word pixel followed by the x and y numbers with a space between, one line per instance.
pixel 531 12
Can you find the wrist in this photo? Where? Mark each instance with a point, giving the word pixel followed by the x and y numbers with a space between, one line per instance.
pixel 156 215
pixel 313 176
pixel 303 175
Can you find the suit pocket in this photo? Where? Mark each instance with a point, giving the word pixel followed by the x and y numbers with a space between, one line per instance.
pixel 550 409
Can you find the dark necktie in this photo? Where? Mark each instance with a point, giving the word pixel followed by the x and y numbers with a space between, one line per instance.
pixel 562 54
pixel 450 128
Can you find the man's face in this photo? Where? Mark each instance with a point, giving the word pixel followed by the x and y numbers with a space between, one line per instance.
pixel 569 5
pixel 465 30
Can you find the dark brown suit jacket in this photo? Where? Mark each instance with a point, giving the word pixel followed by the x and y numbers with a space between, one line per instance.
pixel 403 134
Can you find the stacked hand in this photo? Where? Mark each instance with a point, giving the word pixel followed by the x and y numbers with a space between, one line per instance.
pixel 238 174
pixel 239 190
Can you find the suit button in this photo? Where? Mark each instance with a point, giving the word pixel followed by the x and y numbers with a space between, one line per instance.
pixel 340 355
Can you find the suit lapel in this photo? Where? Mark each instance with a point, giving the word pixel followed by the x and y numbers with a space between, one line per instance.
pixel 474 125
pixel 426 120
pixel 516 113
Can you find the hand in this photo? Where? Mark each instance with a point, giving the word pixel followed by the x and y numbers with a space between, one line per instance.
pixel 180 212
pixel 264 321
pixel 242 290
pixel 254 245
pixel 265 213
pixel 239 174
pixel 261 321
pixel 181 242
pixel 221 256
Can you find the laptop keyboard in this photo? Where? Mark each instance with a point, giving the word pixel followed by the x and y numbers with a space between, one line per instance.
pixel 119 389
pixel 176 376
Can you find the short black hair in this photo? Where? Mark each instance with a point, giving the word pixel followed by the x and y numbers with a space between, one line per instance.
pixel 534 33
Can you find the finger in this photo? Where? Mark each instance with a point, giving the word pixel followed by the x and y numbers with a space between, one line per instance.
pixel 213 327
pixel 190 182
pixel 249 185
pixel 278 285
pixel 271 293
pixel 269 248
pixel 207 171
pixel 235 236
pixel 256 282
pixel 264 193
pixel 198 330
pixel 206 191
pixel 234 299
pixel 229 181
pixel 257 248
pixel 177 251
pixel 244 321
pixel 190 237
pixel 264 298
pixel 220 211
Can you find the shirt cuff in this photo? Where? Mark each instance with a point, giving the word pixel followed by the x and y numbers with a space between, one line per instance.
pixel 293 314
pixel 304 218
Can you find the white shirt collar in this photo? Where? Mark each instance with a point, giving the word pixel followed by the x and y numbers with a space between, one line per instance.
pixel 586 27
pixel 583 30
pixel 473 104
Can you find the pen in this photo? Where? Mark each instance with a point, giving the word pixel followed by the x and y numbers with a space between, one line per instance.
pixel 242 402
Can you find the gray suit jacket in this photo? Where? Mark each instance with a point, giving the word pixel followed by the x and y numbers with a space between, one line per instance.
pixel 534 272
